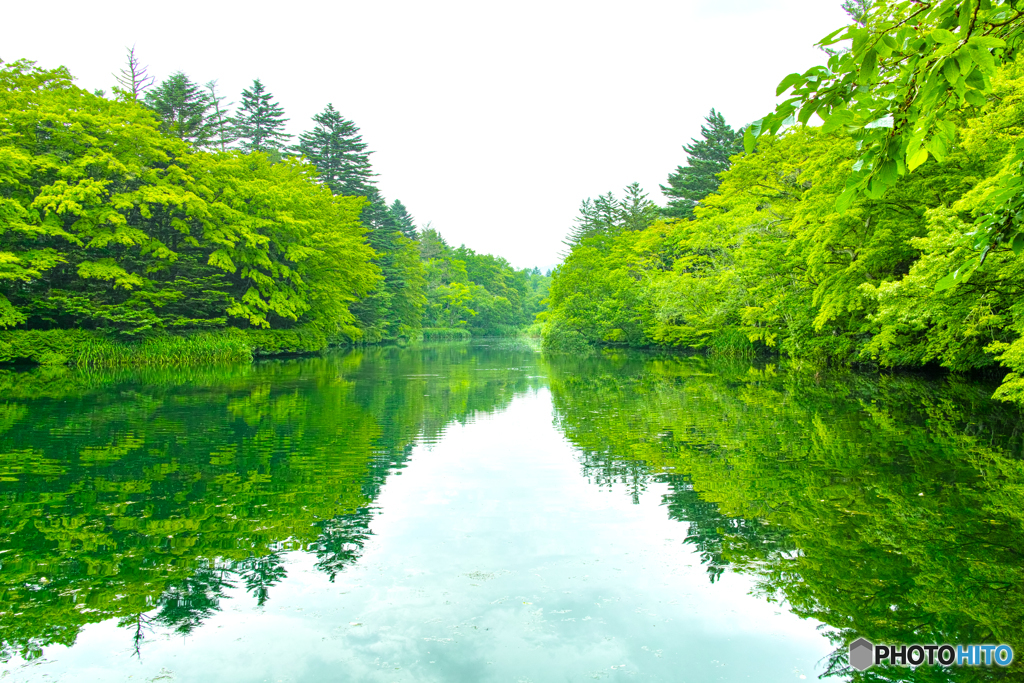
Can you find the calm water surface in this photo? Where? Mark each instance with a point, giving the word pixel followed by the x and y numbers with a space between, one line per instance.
pixel 485 513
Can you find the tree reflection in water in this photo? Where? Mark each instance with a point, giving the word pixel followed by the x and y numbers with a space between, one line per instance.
pixel 888 507
pixel 148 497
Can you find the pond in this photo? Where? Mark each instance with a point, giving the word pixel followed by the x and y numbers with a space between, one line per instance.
pixel 482 512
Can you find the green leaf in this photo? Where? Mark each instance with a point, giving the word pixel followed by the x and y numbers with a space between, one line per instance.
pixel 867 69
pixel 833 37
pixel 951 70
pixel 808 111
pixel 976 79
pixel 836 120
pixel 966 12
pixel 986 41
pixel 859 36
pixel 959 275
pixel 917 159
pixel 937 147
pixel 942 36
pixel 749 137
pixel 788 82
pixel 844 200
pixel 948 128
pixel 887 173
pixel 1018 244
pixel 975 98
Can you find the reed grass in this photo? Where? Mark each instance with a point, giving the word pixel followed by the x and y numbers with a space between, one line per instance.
pixel 86 348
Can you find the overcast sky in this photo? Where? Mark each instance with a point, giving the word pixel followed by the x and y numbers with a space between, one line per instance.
pixel 492 121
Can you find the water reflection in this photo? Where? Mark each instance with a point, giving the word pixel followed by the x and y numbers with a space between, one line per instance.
pixel 884 507
pixel 145 497
pixel 890 508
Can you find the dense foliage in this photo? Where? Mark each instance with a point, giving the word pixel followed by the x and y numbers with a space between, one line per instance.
pixel 131 217
pixel 769 263
pixel 477 292
pixel 913 70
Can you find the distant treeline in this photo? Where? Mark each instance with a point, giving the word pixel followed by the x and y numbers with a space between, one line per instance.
pixel 157 211
pixel 791 248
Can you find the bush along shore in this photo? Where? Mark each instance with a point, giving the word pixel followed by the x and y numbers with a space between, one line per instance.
pixel 151 227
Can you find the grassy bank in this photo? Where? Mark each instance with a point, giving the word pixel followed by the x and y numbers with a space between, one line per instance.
pixel 86 348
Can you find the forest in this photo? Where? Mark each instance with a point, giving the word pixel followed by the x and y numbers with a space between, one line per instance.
pixel 155 224
pixel 884 237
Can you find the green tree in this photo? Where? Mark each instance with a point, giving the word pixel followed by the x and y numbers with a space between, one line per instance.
pixel 108 224
pixel 182 107
pixel 405 222
pixel 395 309
pixel 596 217
pixel 336 148
pixel 637 210
pixel 913 72
pixel 221 133
pixel 706 158
pixel 258 124
pixel 133 80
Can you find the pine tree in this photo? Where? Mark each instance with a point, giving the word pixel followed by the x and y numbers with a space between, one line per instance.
pixel 259 124
pixel 636 209
pixel 396 308
pixel 133 79
pixel 221 134
pixel 705 159
pixel 181 106
pixel 596 216
pixel 336 148
pixel 402 219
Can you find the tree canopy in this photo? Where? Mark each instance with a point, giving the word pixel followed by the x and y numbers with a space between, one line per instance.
pixel 160 212
pixel 913 73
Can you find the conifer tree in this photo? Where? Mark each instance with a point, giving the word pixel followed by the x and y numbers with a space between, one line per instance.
pixel 259 123
pixel 181 106
pixel 396 308
pixel 221 134
pixel 705 159
pixel 336 148
pixel 133 79
pixel 405 222
pixel 636 209
pixel 596 216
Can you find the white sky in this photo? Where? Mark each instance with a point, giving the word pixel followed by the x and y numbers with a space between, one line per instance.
pixel 490 120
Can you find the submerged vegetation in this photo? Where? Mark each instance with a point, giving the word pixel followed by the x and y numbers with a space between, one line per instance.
pixel 154 224
pixel 809 246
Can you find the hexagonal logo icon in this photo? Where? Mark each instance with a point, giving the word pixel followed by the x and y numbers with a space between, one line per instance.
pixel 862 654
